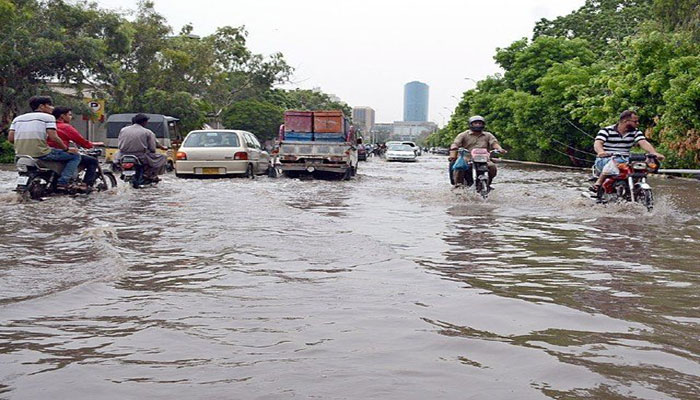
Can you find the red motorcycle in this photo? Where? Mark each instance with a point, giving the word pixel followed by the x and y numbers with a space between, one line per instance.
pixel 630 184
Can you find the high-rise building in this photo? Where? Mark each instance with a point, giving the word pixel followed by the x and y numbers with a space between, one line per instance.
pixel 415 101
pixel 363 118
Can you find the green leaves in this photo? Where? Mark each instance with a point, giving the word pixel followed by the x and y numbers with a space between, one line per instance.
pixel 582 70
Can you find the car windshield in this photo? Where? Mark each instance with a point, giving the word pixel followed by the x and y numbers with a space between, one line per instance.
pixel 400 147
pixel 211 139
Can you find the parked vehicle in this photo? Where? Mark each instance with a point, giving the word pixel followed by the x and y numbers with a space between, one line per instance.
pixel 38 178
pixel 165 128
pixel 477 173
pixel 399 152
pixel 631 182
pixel 317 142
pixel 221 152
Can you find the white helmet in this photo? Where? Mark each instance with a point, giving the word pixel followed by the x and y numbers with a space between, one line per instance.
pixel 477 118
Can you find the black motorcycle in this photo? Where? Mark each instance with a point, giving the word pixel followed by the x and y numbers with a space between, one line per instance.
pixel 132 172
pixel 38 178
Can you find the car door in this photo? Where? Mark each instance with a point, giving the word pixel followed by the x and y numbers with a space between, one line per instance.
pixel 253 151
pixel 264 156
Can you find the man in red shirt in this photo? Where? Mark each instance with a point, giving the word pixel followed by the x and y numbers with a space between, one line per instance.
pixel 67 133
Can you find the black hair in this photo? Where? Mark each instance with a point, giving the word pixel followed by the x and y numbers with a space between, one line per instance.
pixel 139 119
pixel 60 110
pixel 627 114
pixel 36 101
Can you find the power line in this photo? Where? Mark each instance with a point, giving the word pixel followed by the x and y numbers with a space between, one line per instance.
pixel 579 129
pixel 573 148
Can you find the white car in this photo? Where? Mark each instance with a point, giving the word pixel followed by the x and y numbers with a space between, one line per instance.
pixel 400 152
pixel 221 152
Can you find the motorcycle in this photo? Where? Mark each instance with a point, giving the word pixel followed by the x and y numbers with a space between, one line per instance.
pixel 38 178
pixel 477 173
pixel 132 172
pixel 630 184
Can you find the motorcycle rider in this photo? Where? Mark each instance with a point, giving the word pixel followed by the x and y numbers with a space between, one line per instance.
pixel 474 137
pixel 67 133
pixel 29 133
pixel 618 138
pixel 138 141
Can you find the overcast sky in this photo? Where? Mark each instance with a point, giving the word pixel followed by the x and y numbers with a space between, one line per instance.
pixel 365 51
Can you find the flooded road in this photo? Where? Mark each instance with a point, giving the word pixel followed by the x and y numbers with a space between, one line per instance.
pixel 389 286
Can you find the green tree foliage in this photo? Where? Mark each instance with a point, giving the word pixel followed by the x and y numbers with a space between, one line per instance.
pixel 259 117
pixel 582 70
pixel 180 104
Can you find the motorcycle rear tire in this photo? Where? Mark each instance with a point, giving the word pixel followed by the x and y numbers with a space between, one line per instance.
pixel 109 182
pixel 482 186
pixel 647 198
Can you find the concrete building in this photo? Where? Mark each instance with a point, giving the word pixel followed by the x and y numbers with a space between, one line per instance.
pixel 415 101
pixel 363 119
pixel 411 130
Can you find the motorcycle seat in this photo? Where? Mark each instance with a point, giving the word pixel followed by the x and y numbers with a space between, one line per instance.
pixel 55 166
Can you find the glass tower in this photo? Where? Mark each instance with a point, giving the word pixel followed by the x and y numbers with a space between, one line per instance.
pixel 415 101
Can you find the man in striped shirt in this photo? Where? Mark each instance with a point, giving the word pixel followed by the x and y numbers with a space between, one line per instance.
pixel 619 138
pixel 29 133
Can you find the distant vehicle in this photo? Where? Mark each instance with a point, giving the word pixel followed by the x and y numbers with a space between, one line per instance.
pixel 312 142
pixel 413 145
pixel 361 152
pixel 400 152
pixel 221 152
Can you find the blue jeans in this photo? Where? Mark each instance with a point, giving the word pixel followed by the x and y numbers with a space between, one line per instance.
pixel 72 161
pixel 600 163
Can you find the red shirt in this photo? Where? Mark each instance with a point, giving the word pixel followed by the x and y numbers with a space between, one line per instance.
pixel 68 133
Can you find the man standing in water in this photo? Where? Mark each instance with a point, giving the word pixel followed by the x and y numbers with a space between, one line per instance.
pixel 618 138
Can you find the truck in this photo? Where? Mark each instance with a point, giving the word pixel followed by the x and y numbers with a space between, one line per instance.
pixel 317 142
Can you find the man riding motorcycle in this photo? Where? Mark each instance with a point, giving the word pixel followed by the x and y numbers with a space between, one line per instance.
pixel 618 138
pixel 67 133
pixel 136 140
pixel 470 139
pixel 29 133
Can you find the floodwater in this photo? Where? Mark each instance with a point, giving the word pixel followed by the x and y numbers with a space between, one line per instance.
pixel 389 286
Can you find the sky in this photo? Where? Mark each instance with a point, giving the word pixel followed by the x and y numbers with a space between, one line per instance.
pixel 364 51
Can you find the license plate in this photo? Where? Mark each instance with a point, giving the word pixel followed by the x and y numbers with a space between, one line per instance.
pixel 129 173
pixel 210 171
pixel 22 180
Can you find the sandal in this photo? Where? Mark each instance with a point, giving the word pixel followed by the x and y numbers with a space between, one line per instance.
pixel 594 188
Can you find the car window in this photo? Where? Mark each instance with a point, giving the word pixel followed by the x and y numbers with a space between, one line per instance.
pixel 255 140
pixel 211 139
pixel 400 147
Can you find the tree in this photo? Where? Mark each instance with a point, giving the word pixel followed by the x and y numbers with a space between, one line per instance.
pixel 259 117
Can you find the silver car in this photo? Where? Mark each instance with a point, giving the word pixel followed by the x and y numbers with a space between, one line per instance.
pixel 221 152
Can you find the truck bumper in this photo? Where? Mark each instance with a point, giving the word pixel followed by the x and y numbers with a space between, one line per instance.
pixel 311 167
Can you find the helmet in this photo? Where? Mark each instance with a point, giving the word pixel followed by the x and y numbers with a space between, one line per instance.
pixel 477 118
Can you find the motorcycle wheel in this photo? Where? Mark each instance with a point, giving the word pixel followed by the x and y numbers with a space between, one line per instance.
pixel 646 197
pixel 35 188
pixel 106 183
pixel 482 186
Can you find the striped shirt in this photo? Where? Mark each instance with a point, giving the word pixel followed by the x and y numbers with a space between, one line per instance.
pixel 614 142
pixel 30 133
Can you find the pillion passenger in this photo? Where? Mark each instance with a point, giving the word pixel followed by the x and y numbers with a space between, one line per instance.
pixel 67 133
pixel 29 133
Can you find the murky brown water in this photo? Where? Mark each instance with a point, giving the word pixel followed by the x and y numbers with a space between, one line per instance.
pixel 390 286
